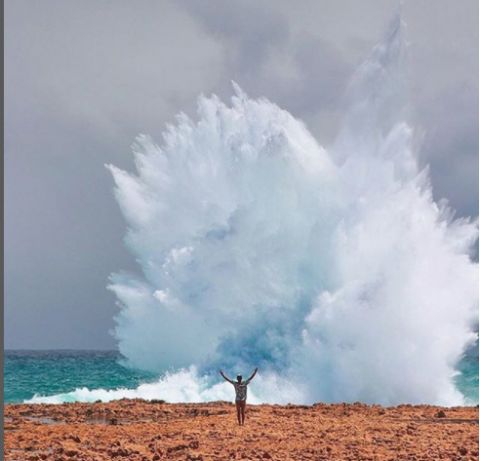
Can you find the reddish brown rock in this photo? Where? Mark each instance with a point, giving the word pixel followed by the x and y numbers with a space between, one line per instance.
pixel 202 432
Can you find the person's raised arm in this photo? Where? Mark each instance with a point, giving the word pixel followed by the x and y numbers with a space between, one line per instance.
pixel 252 376
pixel 225 377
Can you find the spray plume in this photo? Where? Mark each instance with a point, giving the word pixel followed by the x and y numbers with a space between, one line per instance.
pixel 334 272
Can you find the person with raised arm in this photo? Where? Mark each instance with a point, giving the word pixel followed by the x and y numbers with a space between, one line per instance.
pixel 240 394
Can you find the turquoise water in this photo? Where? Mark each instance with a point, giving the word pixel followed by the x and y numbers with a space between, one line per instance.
pixel 467 380
pixel 27 373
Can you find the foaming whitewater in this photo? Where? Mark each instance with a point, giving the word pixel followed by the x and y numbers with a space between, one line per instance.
pixel 334 272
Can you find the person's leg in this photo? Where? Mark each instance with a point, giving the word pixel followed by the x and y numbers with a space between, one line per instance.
pixel 244 404
pixel 238 404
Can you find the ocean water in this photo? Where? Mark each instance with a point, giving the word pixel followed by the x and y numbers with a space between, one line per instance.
pixel 467 380
pixel 30 374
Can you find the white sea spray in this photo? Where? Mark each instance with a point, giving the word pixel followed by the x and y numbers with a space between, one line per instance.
pixel 334 271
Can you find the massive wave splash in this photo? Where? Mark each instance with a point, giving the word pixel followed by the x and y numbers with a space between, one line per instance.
pixel 335 272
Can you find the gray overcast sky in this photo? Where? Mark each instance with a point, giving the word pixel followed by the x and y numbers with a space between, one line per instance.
pixel 83 78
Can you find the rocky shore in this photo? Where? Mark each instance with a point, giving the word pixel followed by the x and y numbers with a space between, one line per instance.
pixel 141 430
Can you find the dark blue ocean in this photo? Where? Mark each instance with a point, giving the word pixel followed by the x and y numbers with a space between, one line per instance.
pixel 45 373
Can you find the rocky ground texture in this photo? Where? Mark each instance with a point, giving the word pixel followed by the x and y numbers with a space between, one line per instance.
pixel 141 430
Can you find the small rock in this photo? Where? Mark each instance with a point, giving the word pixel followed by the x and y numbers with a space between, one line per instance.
pixel 463 451
pixel 440 414
pixel 114 452
pixel 192 457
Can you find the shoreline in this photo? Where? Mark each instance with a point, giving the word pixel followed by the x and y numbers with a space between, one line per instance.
pixel 154 430
pixel 228 402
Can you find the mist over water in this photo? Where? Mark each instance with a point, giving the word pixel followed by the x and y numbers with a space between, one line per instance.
pixel 333 271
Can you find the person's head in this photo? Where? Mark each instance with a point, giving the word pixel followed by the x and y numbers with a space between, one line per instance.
pixel 239 378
